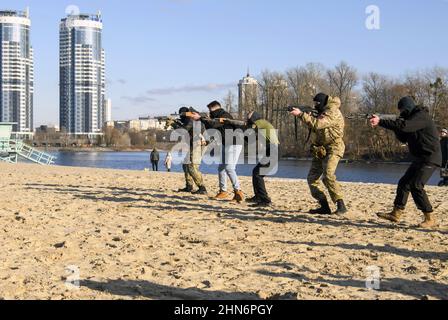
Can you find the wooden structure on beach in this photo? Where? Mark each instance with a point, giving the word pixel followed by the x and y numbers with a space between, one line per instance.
pixel 12 149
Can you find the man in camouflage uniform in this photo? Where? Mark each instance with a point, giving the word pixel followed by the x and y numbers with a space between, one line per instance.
pixel 327 148
pixel 193 159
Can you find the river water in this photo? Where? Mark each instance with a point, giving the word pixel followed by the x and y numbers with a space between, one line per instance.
pixel 388 173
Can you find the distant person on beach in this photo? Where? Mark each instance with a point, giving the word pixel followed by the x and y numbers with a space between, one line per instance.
pixel 193 159
pixel 168 161
pixel 231 152
pixel 155 158
pixel 416 128
pixel 444 147
pixel 327 149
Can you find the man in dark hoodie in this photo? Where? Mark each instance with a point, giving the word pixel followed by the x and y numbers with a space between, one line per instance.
pixel 416 128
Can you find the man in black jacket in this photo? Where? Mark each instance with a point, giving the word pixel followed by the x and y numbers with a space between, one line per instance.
pixel 231 151
pixel 416 128
pixel 155 158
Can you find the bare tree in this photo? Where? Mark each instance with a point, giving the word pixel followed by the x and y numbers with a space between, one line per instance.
pixel 306 82
pixel 229 102
pixel 343 79
pixel 376 94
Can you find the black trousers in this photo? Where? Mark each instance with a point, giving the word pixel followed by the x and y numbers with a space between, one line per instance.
pixel 258 180
pixel 414 182
pixel 155 166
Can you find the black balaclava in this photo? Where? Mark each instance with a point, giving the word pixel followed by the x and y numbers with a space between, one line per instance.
pixel 321 102
pixel 216 114
pixel 406 106
pixel 183 118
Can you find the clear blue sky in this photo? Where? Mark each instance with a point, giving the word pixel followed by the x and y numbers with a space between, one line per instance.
pixel 163 53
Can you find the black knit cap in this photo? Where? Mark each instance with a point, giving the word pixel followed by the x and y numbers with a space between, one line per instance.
pixel 213 104
pixel 406 104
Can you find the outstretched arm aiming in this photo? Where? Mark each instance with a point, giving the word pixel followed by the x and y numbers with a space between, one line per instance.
pixel 319 123
pixel 376 121
pixel 402 125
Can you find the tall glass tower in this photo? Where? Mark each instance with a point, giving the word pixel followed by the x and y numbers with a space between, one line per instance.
pixel 16 70
pixel 82 79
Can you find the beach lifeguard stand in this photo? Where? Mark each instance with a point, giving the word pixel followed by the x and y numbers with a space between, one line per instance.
pixel 11 149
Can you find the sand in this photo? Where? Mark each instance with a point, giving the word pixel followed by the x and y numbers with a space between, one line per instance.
pixel 130 236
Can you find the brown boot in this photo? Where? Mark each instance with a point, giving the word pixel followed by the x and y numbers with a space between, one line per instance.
pixel 222 195
pixel 430 221
pixel 394 216
pixel 239 196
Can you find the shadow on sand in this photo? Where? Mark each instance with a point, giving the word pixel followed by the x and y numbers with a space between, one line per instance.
pixel 148 290
pixel 142 198
pixel 416 289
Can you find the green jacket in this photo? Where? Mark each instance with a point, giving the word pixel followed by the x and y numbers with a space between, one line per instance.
pixel 328 129
pixel 268 131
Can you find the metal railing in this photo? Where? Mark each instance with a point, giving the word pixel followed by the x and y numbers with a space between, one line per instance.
pixel 11 149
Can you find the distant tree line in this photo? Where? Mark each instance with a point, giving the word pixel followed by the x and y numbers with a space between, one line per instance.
pixel 371 93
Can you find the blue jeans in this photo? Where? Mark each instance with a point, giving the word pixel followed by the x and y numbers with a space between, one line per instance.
pixel 227 168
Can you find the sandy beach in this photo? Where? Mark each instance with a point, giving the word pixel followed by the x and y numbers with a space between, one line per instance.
pixel 131 236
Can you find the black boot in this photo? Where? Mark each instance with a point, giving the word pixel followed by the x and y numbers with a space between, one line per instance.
pixel 262 204
pixel 185 190
pixel 201 191
pixel 342 209
pixel 253 200
pixel 324 208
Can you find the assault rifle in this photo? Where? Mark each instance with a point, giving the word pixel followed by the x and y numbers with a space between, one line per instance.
pixel 174 121
pixel 369 116
pixel 305 109
pixel 206 118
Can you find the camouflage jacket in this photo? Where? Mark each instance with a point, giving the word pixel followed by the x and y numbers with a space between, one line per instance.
pixel 328 129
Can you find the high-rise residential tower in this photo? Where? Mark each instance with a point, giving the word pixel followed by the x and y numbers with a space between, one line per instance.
pixel 16 71
pixel 247 95
pixel 82 75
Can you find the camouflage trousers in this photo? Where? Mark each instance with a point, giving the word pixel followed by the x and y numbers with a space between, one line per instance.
pixel 325 169
pixel 191 169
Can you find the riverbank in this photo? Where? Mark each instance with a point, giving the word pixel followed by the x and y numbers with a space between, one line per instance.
pixel 165 149
pixel 96 149
pixel 132 237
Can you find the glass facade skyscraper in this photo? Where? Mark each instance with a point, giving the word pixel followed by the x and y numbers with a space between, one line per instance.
pixel 82 75
pixel 16 70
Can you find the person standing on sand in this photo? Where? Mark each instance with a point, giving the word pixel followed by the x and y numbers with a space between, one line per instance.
pixel 230 152
pixel 155 158
pixel 193 159
pixel 267 130
pixel 444 147
pixel 327 149
pixel 416 128
pixel 168 161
